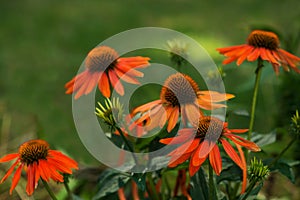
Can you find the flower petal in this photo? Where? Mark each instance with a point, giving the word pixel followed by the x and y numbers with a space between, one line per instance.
pixel 216 160
pixel 16 178
pixel 231 153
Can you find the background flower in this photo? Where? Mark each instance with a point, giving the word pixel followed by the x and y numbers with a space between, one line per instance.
pixel 39 161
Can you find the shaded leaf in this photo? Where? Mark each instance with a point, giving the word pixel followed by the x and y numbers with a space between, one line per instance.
pixel 140 180
pixel 232 173
pixel 109 182
pixel 286 168
pixel 199 186
pixel 252 195
pixel 264 139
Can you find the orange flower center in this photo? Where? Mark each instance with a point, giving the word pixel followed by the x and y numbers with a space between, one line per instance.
pixel 33 151
pixel 101 58
pixel 211 127
pixel 179 89
pixel 265 39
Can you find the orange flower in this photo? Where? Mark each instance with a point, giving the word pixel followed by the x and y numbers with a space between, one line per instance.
pixel 38 160
pixel 198 144
pixel 179 95
pixel 263 45
pixel 104 67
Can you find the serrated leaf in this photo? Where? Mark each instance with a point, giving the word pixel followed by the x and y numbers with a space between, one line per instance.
pixel 109 182
pixel 199 189
pixel 264 139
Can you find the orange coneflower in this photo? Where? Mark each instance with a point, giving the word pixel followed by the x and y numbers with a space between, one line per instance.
pixel 179 95
pixel 198 144
pixel 39 161
pixel 104 67
pixel 264 45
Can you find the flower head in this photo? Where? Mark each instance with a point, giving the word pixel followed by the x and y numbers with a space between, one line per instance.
pixel 180 95
pixel 38 161
pixel 198 144
pixel 261 45
pixel 258 171
pixel 104 67
pixel 111 112
pixel 295 124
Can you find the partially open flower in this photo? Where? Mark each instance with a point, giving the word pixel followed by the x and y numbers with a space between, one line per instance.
pixel 295 125
pixel 111 112
pixel 258 171
pixel 38 161
pixel 261 45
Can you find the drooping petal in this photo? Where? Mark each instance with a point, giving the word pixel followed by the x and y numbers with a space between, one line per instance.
pixel 126 77
pixel 232 48
pixel 30 179
pixel 92 82
pixel 243 142
pixel 10 170
pixel 9 157
pixel 216 160
pixel 192 113
pixel 244 169
pixel 193 169
pixel 173 119
pixel 253 55
pixel 145 107
pixel 214 96
pixel 176 160
pixel 231 153
pixel 187 147
pixel 16 178
pixel 116 83
pixel 178 139
pixel 243 57
pixel 104 86
pixel 196 160
pixel 57 155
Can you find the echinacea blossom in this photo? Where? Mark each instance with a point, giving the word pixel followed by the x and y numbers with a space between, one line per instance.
pixel 180 95
pixel 196 145
pixel 38 161
pixel 261 45
pixel 104 67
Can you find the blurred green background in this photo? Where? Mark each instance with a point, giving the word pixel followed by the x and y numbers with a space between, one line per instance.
pixel 43 43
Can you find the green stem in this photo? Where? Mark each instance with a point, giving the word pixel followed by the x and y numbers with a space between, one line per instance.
pixel 127 145
pixel 152 190
pixel 282 152
pixel 70 196
pixel 255 94
pixel 212 189
pixel 249 189
pixel 49 190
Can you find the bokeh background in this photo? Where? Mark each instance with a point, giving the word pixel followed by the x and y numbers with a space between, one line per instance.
pixel 43 44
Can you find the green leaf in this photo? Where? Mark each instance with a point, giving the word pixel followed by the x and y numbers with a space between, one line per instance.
pixel 252 195
pixel 140 180
pixel 199 189
pixel 109 182
pixel 264 139
pixel 286 168
pixel 232 173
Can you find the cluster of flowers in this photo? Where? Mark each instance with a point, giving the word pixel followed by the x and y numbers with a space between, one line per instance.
pixel 180 100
